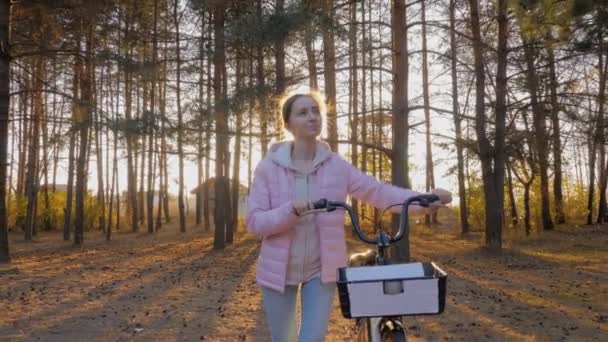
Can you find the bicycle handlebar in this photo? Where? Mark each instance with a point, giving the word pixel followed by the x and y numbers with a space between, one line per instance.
pixel 423 200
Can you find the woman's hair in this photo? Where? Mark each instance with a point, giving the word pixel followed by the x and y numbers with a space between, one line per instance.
pixel 287 104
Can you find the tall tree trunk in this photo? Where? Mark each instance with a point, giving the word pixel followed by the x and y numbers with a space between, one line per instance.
pixel 526 180
pixel 180 147
pixel 262 108
pixel 591 143
pixel 84 124
pixel 600 133
pixel 33 158
pixel 163 112
pixel 226 144
pixel 363 108
pixel 512 202
pixel 250 127
pixel 311 58
pixel 142 150
pixel 101 200
pixel 67 225
pixel 540 133
pixel 113 108
pixel 313 83
pixel 236 182
pixel 221 183
pixel 400 124
pixel 354 96
pixel 200 156
pixel 45 161
pixel 430 172
pixel 464 220
pixel 329 72
pixel 4 120
pixel 23 146
pixel 208 122
pixel 152 124
pixel 492 162
pixel 560 216
pixel 130 137
pixel 279 54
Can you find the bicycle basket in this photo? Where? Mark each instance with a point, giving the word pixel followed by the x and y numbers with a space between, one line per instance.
pixel 392 290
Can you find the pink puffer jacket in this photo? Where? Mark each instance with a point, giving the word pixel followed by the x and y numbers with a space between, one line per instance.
pixel 269 212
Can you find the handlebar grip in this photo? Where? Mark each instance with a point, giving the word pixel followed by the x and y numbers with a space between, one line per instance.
pixel 320 204
pixel 426 200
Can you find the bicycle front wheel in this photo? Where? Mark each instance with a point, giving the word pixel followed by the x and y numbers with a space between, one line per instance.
pixel 394 336
pixel 392 330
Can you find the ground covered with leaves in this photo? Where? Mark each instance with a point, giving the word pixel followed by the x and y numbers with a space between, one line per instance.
pixel 174 287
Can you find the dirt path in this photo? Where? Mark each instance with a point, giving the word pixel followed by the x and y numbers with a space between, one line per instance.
pixel 174 287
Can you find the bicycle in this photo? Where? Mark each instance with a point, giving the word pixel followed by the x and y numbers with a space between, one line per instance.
pixel 377 293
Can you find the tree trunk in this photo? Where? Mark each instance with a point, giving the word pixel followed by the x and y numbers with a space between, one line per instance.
pixel 464 220
pixel 45 162
pixel 329 73
pixel 430 173
pixel 221 137
pixel 24 142
pixel 101 200
pixel 180 147
pixel 199 159
pixel 366 49
pixel 163 114
pixel 527 222
pixel 400 124
pixel 4 121
pixel 262 108
pixel 208 122
pixel 492 162
pixel 130 137
pixel 250 128
pixel 142 150
pixel 513 203
pixel 560 216
pixel 84 124
pixel 33 158
pixel 600 134
pixel 67 225
pixel 354 92
pixel 236 183
pixel 279 54
pixel 311 58
pixel 152 123
pixel 540 134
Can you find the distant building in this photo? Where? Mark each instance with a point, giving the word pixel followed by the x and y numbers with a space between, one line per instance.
pixel 57 187
pixel 210 184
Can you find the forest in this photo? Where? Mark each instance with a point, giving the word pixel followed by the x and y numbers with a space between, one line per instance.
pixel 130 132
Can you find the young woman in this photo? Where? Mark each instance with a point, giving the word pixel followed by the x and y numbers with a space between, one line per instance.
pixel 306 250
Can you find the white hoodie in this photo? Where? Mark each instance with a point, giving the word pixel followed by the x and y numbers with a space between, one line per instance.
pixel 305 252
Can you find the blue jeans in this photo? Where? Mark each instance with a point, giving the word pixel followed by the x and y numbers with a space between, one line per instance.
pixel 280 311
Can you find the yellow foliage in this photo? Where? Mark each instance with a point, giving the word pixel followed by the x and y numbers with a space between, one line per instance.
pixel 52 216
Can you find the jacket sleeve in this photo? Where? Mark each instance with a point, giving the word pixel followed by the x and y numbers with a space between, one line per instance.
pixel 261 220
pixel 377 193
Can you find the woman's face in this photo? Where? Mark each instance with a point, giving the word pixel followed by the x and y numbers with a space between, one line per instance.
pixel 305 118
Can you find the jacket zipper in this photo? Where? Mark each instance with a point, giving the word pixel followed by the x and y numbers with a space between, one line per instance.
pixel 305 238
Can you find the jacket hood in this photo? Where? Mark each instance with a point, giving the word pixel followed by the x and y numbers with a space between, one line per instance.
pixel 280 153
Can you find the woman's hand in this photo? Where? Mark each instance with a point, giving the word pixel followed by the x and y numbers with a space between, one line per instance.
pixel 445 197
pixel 301 206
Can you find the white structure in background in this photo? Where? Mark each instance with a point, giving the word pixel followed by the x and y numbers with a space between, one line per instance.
pixel 210 183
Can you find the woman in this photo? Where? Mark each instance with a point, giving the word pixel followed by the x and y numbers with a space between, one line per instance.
pixel 305 250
